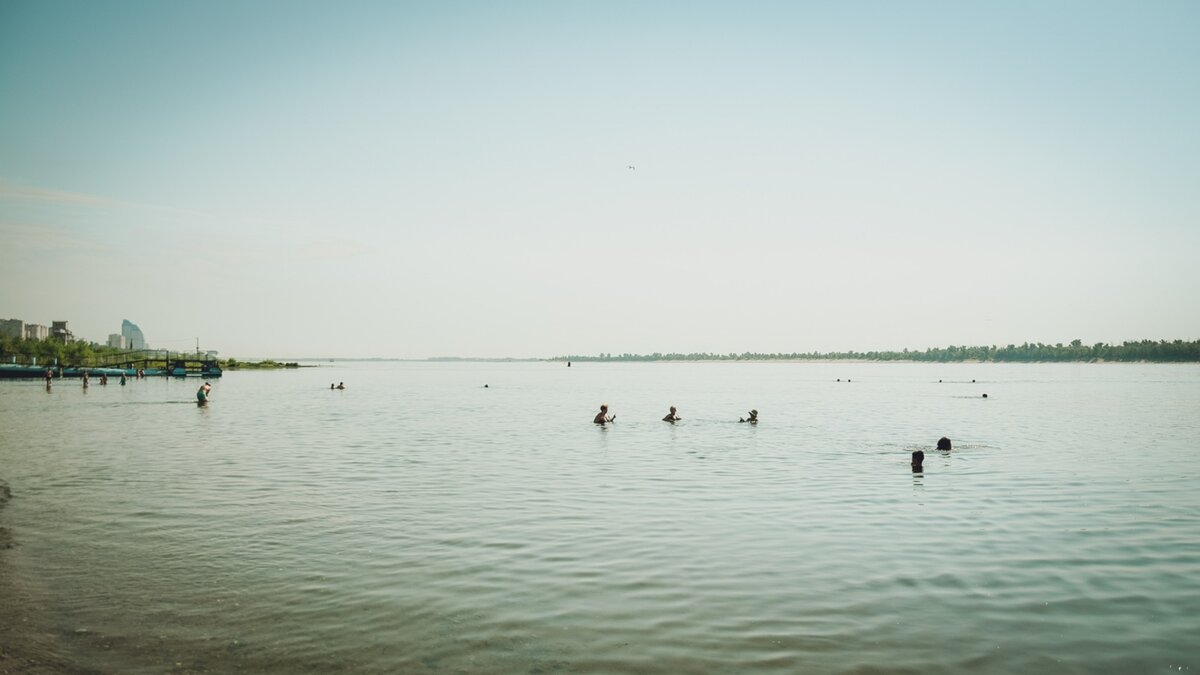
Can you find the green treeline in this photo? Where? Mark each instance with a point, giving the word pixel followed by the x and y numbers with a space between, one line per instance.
pixel 1143 350
pixel 77 353
pixel 82 353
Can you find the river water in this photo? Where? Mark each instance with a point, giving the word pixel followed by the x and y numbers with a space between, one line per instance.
pixel 418 521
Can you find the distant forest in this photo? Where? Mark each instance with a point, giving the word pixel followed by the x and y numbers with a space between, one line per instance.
pixel 1161 351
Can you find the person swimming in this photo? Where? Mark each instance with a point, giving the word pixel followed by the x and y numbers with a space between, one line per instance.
pixel 602 416
pixel 918 461
pixel 672 417
pixel 752 419
pixel 944 444
pixel 341 385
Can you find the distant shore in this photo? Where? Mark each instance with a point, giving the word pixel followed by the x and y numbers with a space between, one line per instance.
pixel 1148 351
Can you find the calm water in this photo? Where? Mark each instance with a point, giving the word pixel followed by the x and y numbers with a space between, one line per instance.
pixel 418 522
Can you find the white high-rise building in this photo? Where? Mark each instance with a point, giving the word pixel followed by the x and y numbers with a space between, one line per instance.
pixel 133 335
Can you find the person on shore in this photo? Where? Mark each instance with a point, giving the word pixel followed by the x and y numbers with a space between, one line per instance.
pixel 944 444
pixel 672 417
pixel 202 393
pixel 752 419
pixel 341 385
pixel 918 461
pixel 602 417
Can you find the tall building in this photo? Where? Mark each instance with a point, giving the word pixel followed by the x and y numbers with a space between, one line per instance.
pixel 116 341
pixel 133 335
pixel 14 328
pixel 36 331
pixel 58 331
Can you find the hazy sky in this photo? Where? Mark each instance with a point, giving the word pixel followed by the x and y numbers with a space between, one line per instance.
pixel 451 178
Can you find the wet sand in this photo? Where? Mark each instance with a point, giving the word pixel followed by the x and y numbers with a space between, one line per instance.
pixel 27 643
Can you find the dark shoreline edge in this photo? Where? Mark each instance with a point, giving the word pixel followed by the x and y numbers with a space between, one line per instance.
pixel 27 644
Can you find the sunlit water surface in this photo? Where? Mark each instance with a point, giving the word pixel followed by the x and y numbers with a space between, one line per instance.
pixel 420 522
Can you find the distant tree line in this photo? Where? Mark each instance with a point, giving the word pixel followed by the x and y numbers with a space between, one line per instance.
pixel 1161 351
pixel 78 352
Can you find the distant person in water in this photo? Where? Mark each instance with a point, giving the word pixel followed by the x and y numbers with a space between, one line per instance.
pixel 49 375
pixel 752 419
pixel 602 417
pixel 944 443
pixel 122 379
pixel 202 393
pixel 672 417
pixel 341 385
pixel 918 461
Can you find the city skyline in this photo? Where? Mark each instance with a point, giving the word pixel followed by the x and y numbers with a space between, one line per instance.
pixel 533 180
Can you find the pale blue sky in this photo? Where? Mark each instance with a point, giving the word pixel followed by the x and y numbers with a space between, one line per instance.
pixel 410 180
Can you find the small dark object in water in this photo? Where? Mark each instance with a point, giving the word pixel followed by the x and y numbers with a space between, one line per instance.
pixel 985 395
pixel 918 458
pixel 943 443
pixel 485 386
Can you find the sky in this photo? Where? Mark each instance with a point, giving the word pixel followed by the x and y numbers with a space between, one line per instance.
pixel 532 179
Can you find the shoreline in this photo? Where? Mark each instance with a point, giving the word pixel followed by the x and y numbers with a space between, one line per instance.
pixel 28 643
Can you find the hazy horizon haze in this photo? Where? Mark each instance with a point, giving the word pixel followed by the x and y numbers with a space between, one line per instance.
pixel 419 180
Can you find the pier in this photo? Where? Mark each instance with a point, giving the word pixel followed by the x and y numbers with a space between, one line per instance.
pixel 148 361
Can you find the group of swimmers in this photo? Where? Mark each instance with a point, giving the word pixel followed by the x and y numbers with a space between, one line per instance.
pixel 340 385
pixel 918 456
pixel 85 377
pixel 603 417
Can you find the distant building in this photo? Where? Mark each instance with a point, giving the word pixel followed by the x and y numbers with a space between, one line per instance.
pixel 133 335
pixel 13 328
pixel 116 341
pixel 58 331
pixel 36 331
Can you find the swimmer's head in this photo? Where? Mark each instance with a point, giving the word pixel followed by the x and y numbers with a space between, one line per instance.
pixel 943 443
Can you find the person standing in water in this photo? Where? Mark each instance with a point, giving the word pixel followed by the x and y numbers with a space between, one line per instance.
pixel 672 417
pixel 752 419
pixel 202 393
pixel 602 416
